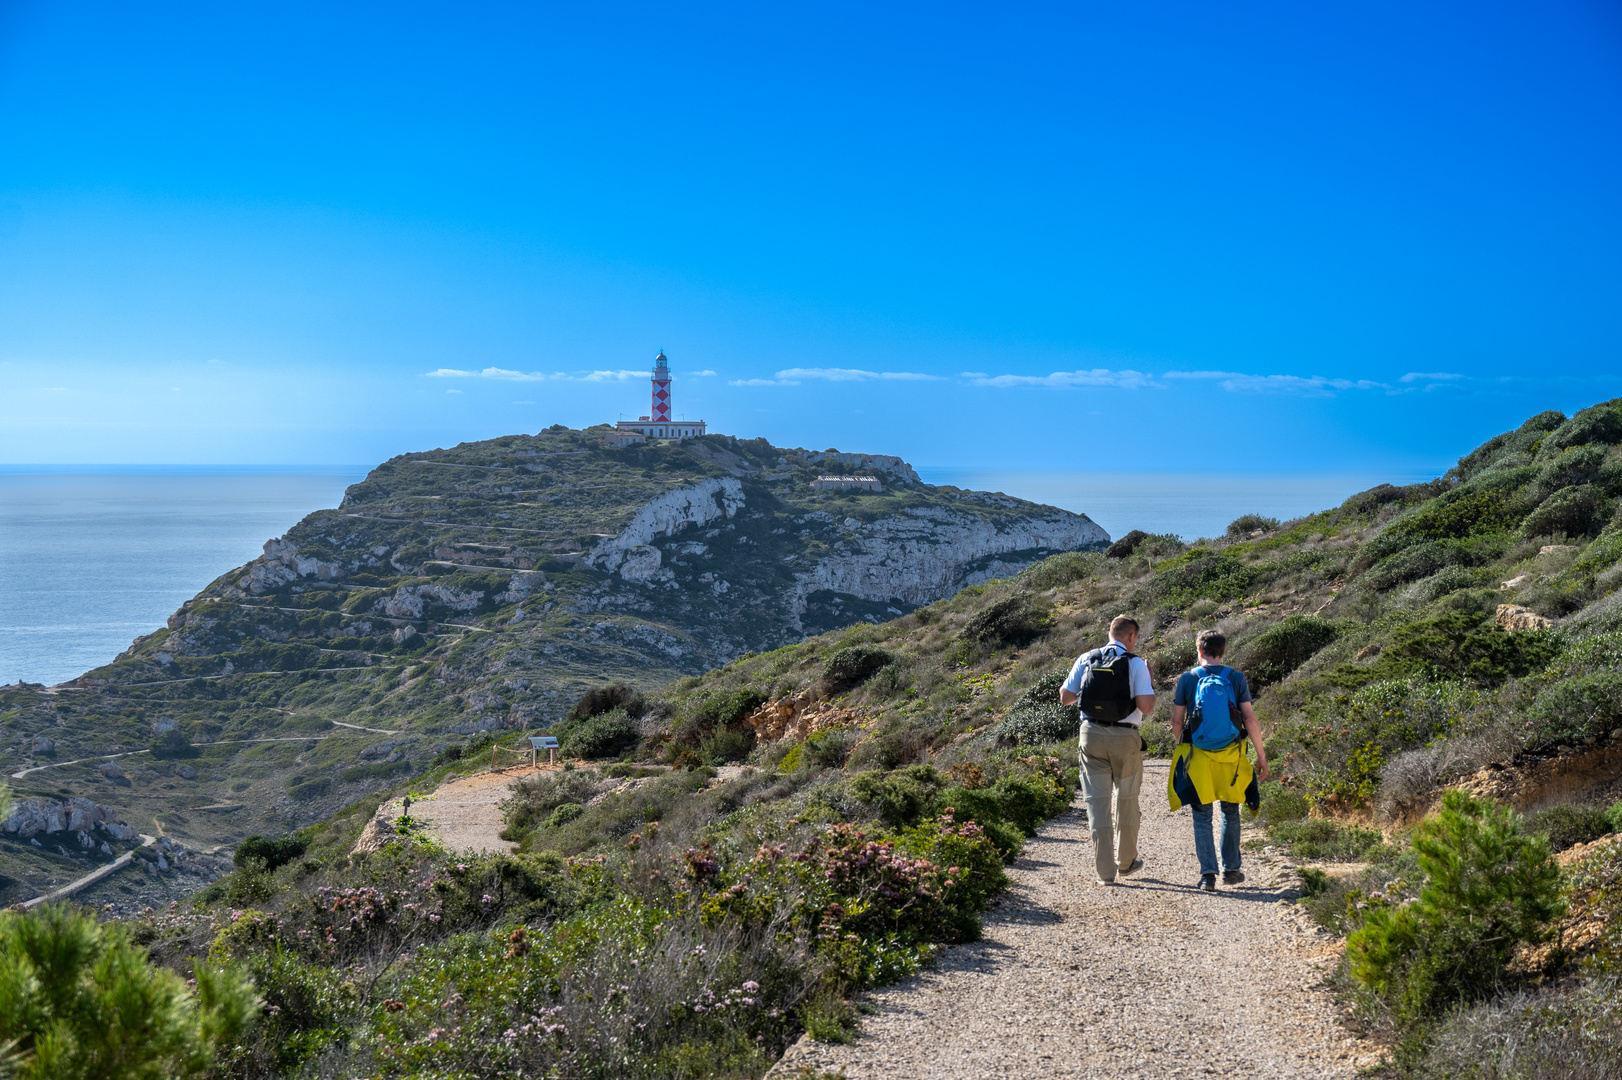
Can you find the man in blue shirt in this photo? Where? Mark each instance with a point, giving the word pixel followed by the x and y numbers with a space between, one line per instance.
pixel 1116 692
pixel 1221 774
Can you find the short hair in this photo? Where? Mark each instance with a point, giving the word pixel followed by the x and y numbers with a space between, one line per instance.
pixel 1120 624
pixel 1211 643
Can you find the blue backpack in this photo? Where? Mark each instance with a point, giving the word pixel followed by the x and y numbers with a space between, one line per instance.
pixel 1214 720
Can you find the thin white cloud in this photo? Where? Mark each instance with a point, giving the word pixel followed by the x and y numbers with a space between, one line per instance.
pixel 763 382
pixel 622 375
pixel 699 374
pixel 487 373
pixel 453 391
pixel 1301 385
pixel 850 375
pixel 1431 376
pixel 1125 380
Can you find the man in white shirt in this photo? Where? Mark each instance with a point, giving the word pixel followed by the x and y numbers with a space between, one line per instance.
pixel 1116 692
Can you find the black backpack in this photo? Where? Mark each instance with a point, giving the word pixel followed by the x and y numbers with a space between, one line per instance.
pixel 1106 687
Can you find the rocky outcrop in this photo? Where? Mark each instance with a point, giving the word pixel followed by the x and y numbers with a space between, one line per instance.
pixel 798 716
pixel 282 564
pixel 931 552
pixel 408 602
pixel 32 817
pixel 1515 617
pixel 666 515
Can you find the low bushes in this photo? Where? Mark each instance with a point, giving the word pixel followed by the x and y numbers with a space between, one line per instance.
pixel 853 665
pixel 1245 524
pixel 1057 571
pixel 1571 511
pixel 271 853
pixel 604 735
pixel 1320 838
pixel 1016 620
pixel 602 699
pixel 1037 718
pixel 1490 887
pixel 1281 648
pixel 1567 826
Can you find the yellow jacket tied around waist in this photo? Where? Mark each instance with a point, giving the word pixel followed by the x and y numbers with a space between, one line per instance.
pixel 1201 777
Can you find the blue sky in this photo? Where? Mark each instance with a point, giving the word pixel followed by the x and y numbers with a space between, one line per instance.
pixel 1326 237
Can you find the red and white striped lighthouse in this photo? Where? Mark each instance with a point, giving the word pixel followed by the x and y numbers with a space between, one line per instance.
pixel 661 389
pixel 659 425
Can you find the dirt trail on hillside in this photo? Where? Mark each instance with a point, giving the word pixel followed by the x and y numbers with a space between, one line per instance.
pixel 465 814
pixel 1148 978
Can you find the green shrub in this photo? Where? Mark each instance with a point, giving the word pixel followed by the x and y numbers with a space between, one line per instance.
pixel 600 736
pixel 1017 620
pixel 1323 839
pixel 853 665
pixel 1573 511
pixel 899 798
pixel 564 814
pixel 828 749
pixel 534 798
pixel 1062 569
pixel 271 853
pixel 602 699
pixel 1457 645
pixel 1245 524
pixel 725 708
pixel 1600 423
pixel 1201 574
pixel 1477 508
pixel 1037 725
pixel 1566 826
pixel 80 1001
pixel 1574 709
pixel 1281 648
pixel 1490 888
pixel 308 790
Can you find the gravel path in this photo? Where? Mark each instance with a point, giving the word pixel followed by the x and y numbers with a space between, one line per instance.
pixel 1148 978
pixel 465 814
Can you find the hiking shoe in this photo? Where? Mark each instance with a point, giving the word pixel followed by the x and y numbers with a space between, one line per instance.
pixel 1207 883
pixel 1137 864
pixel 1101 881
pixel 1233 877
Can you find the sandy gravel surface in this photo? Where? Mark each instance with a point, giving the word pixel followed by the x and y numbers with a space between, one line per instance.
pixel 465 814
pixel 1148 978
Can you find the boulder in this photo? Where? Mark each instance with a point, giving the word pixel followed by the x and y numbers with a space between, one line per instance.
pixel 1515 617
pixel 31 816
pixel 186 772
pixel 43 745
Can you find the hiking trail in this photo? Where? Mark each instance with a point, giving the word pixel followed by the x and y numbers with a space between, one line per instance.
pixel 1146 978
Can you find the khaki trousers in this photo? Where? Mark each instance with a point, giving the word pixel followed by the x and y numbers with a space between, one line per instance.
pixel 1111 760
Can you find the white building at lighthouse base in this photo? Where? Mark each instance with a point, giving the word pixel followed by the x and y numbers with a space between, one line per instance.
pixel 661 429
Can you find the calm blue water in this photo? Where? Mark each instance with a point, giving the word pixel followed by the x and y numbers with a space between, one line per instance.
pixel 1190 506
pixel 92 556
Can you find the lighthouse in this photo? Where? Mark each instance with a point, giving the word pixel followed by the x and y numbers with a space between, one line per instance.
pixel 661 389
pixel 658 424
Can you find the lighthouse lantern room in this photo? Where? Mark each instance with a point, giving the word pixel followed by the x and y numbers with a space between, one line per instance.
pixel 659 424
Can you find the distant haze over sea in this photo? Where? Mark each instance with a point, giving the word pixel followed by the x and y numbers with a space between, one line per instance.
pixel 92 556
pixel 1187 504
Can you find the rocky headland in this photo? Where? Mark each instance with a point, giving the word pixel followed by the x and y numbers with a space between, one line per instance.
pixel 478 589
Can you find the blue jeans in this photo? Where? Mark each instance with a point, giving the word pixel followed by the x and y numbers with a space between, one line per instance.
pixel 1204 842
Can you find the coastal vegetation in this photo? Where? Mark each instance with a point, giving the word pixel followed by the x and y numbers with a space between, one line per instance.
pixel 729 855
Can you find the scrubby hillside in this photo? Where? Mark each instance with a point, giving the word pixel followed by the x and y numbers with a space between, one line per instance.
pixel 737 851
pixel 481 589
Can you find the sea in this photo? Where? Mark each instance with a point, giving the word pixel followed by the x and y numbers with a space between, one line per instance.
pixel 93 556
